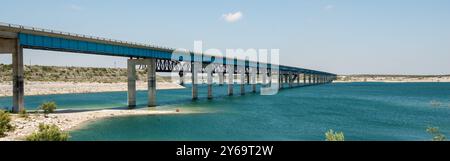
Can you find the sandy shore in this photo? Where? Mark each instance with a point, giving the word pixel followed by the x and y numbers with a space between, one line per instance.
pixel 46 88
pixel 72 120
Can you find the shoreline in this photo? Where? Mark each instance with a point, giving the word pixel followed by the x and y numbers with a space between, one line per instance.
pixel 76 120
pixel 50 88
pixel 391 81
pixel 393 78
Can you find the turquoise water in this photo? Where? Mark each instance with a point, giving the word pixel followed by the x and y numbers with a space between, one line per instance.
pixel 363 111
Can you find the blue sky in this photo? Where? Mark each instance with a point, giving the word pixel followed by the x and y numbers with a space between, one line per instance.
pixel 340 36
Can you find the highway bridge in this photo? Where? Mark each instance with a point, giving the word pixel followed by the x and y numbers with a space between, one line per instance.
pixel 14 38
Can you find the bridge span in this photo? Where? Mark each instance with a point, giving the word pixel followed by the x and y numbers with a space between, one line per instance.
pixel 14 38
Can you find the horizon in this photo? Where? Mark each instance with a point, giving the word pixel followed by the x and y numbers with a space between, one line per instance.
pixel 339 37
pixel 162 74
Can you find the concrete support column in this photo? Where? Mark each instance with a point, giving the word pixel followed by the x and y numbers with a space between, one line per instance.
pixel 291 80
pixel 151 83
pixel 18 82
pixel 230 79
pixel 286 79
pixel 269 76
pixel 309 78
pixel 280 81
pixel 247 79
pixel 194 69
pixel 181 74
pixel 131 71
pixel 304 78
pixel 210 84
pixel 253 79
pixel 221 75
pixel 243 75
pixel 298 79
pixel 263 73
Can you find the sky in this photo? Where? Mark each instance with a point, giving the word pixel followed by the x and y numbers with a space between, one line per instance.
pixel 338 36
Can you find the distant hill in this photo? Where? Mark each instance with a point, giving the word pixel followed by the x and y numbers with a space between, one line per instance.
pixel 73 74
pixel 393 78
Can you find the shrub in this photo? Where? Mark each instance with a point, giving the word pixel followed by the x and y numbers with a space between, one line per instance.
pixel 48 107
pixel 48 133
pixel 330 135
pixel 5 123
pixel 437 135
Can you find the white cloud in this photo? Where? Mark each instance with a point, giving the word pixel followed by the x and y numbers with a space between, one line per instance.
pixel 328 7
pixel 232 17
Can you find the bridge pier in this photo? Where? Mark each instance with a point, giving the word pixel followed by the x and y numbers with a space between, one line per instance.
pixel 230 79
pixel 309 79
pixel 181 74
pixel 194 69
pixel 243 75
pixel 210 83
pixel 286 80
pixel 263 74
pixel 9 43
pixel 253 79
pixel 269 76
pixel 304 78
pixel 291 80
pixel 280 81
pixel 298 79
pixel 131 72
pixel 151 82
pixel 18 78
pixel 221 75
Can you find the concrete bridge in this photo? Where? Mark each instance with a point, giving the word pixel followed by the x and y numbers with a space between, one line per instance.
pixel 14 38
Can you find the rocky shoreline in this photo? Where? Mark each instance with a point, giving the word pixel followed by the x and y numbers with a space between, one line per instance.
pixel 67 121
pixel 47 88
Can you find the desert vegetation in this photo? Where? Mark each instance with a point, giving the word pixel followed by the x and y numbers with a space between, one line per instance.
pixel 331 135
pixel 48 133
pixel 5 123
pixel 73 74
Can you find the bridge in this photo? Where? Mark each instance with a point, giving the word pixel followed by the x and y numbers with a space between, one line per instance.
pixel 14 38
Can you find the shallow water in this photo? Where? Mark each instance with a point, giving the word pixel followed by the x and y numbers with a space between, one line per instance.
pixel 363 111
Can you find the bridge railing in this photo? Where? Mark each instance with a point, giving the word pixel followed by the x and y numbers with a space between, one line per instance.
pixel 21 27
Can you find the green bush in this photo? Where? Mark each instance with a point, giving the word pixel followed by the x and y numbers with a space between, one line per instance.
pixel 330 135
pixel 48 133
pixel 5 123
pixel 437 135
pixel 48 107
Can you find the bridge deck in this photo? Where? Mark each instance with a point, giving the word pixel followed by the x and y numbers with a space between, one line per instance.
pixel 43 39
